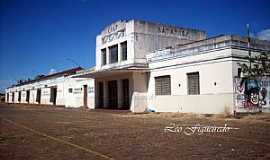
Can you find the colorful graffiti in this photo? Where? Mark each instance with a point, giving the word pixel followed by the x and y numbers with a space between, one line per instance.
pixel 252 93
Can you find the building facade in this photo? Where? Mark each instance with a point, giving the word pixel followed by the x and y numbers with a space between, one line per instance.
pixel 59 89
pixel 142 65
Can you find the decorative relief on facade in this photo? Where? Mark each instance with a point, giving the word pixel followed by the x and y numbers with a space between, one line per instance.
pixel 114 31
pixel 113 36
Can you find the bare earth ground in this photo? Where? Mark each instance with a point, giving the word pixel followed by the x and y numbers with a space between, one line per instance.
pixel 35 132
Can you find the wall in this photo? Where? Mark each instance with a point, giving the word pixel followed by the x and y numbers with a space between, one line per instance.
pixel 153 36
pixel 202 104
pixel 216 83
pixel 75 98
pixel 142 37
pixel 63 96
pixel 139 94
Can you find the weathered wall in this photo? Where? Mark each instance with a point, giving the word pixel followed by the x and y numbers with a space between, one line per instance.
pixel 252 95
pixel 202 104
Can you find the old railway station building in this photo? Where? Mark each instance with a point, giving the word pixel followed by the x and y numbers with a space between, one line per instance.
pixel 142 65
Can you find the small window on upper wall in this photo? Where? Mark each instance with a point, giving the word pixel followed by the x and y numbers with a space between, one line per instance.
pixel 124 50
pixel 70 90
pixel 103 56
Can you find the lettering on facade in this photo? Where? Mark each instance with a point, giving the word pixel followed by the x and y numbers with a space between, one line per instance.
pixel 113 32
pixel 173 31
pixel 45 93
pixel 113 36
pixel 77 91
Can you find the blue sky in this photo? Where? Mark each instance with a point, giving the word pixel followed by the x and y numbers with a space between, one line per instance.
pixel 37 36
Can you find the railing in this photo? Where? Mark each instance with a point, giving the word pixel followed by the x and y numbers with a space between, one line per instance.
pixel 200 47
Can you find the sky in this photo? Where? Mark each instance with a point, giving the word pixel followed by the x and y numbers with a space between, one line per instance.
pixel 41 36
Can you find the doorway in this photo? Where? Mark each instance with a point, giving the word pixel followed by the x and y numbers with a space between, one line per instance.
pixel 85 95
pixel 27 96
pixel 100 95
pixel 112 94
pixel 19 96
pixel 53 95
pixel 13 95
pixel 38 99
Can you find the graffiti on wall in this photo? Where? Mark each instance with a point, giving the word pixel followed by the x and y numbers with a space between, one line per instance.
pixel 252 93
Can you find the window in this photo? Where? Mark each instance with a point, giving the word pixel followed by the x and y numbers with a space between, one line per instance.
pixel 113 54
pixel 103 56
pixel 124 50
pixel 70 90
pixel 193 83
pixel 163 85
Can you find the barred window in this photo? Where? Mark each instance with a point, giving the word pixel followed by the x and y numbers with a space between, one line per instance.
pixel 103 56
pixel 124 50
pixel 163 85
pixel 113 54
pixel 193 83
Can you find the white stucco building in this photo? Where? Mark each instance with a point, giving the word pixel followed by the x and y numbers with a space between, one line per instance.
pixel 55 89
pixel 141 65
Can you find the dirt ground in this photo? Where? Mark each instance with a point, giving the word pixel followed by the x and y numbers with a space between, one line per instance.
pixel 35 132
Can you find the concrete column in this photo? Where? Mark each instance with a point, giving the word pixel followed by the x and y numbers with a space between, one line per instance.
pixel 105 92
pixel 107 55
pixel 119 93
pixel 119 52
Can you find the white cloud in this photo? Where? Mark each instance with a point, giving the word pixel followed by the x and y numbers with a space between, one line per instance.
pixel 52 71
pixel 264 34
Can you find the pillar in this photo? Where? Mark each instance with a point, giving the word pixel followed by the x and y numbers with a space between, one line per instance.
pixel 119 93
